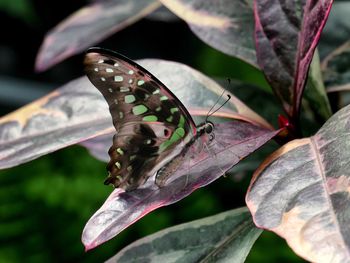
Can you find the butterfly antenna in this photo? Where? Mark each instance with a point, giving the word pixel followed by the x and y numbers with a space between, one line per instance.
pixel 208 114
pixel 228 98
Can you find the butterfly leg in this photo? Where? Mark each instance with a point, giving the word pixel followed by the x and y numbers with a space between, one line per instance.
pixel 216 158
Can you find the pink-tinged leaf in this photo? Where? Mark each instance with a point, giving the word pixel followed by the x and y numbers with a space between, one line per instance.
pixel 77 112
pixel 226 237
pixel 233 141
pixel 89 26
pixel 301 192
pixel 225 24
pixel 66 116
pixel 286 36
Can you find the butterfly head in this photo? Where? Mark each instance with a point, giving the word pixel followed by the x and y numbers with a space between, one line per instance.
pixel 206 131
pixel 208 127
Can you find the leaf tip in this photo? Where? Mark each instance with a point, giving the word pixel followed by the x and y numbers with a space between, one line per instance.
pixel 40 62
pixel 88 247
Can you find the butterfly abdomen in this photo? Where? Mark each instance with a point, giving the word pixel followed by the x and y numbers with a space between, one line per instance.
pixel 169 169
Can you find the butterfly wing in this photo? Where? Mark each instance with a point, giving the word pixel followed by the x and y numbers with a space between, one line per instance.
pixel 152 124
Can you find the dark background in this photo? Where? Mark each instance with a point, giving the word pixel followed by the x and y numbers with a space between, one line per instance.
pixel 45 204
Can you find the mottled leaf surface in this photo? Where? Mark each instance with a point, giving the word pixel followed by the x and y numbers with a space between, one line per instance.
pixel 286 34
pixel 89 26
pixel 225 237
pixel 301 192
pixel 233 141
pixel 225 25
pixel 77 111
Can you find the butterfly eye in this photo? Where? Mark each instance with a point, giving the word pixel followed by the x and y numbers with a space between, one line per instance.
pixel 209 128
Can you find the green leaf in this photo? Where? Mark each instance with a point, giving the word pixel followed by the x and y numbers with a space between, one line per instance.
pixel 226 237
pixel 22 9
pixel 315 91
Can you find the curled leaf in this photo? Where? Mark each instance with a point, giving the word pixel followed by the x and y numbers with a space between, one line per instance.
pixel 301 192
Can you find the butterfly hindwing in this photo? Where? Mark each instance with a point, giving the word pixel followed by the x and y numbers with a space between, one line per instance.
pixel 152 124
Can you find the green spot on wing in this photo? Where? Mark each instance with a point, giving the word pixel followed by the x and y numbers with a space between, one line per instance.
pixel 173 110
pixel 139 109
pixel 124 89
pixel 129 98
pixel 118 165
pixel 169 119
pixel 120 151
pixel 181 122
pixel 150 118
pixel 180 132
pixel 118 78
pixel 163 98
pixel 140 82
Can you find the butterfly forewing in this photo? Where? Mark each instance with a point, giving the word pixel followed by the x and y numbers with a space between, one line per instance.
pixel 152 124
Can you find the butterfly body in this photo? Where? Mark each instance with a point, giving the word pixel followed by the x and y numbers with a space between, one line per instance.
pixel 205 133
pixel 154 129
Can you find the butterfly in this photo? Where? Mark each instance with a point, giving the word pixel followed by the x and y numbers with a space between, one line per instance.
pixel 154 130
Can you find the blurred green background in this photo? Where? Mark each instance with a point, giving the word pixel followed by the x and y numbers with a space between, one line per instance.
pixel 45 204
